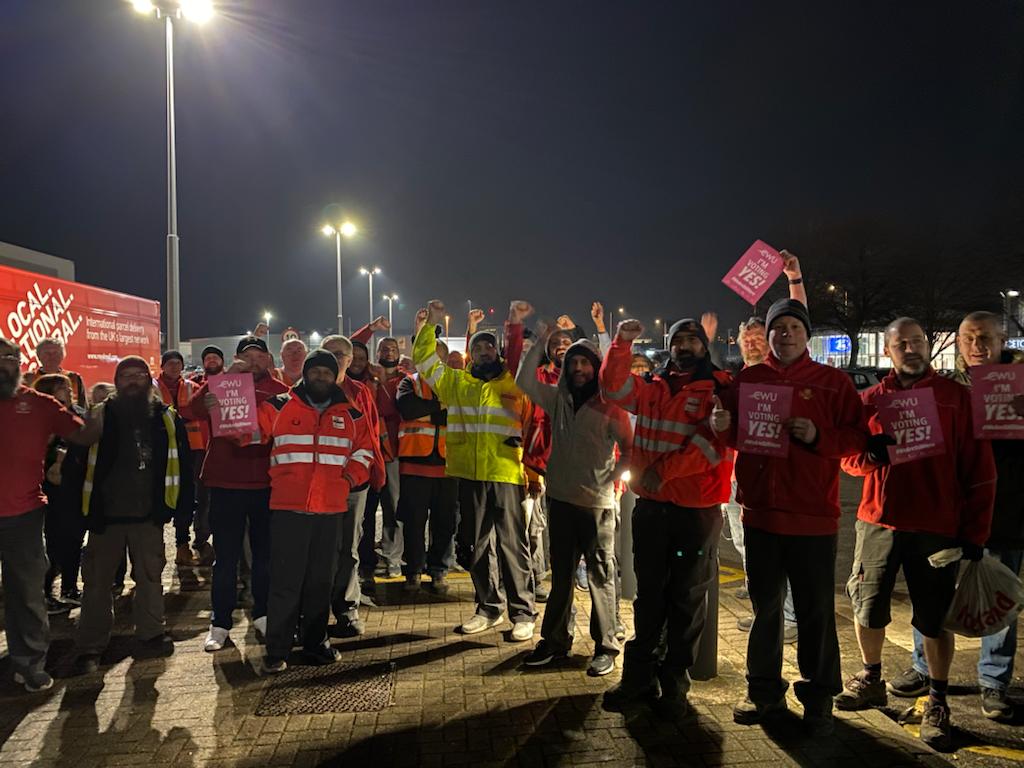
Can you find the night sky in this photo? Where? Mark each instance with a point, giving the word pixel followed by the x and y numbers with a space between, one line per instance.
pixel 554 151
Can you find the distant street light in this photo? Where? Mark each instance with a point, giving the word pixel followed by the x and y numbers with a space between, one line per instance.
pixel 345 229
pixel 447 326
pixel 370 273
pixel 266 319
pixel 199 12
pixel 391 303
pixel 314 338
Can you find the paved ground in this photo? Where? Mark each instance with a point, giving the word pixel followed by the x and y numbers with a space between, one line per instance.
pixel 458 701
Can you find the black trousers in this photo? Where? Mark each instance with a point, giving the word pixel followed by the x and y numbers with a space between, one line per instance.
pixel 675 557
pixel 64 528
pixel 303 552
pixel 809 562
pixel 421 498
pixel 493 519
pixel 589 532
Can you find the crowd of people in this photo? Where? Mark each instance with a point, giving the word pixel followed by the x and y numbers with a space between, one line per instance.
pixel 510 462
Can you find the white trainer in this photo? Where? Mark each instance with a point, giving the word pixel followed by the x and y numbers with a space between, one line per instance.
pixel 215 639
pixel 523 631
pixel 261 625
pixel 480 624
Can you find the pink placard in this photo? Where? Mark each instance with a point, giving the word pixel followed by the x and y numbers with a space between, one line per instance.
pixel 763 408
pixel 993 388
pixel 755 272
pixel 236 413
pixel 912 419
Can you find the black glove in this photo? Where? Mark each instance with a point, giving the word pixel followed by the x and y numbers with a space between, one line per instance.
pixel 971 551
pixel 878 447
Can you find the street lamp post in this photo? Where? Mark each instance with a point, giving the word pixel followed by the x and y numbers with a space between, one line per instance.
pixel 344 229
pixel 198 11
pixel 370 273
pixel 391 304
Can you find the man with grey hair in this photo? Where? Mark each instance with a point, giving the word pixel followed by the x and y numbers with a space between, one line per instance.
pixel 981 340
pixel 34 418
pixel 50 352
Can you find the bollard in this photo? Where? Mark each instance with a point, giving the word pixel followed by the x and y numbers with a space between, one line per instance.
pixel 705 666
pixel 628 575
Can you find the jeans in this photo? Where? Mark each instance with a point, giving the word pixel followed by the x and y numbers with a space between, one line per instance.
pixel 995 663
pixel 230 510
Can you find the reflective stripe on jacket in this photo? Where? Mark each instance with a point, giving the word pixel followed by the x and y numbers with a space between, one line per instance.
pixel 672 433
pixel 485 418
pixel 196 439
pixel 315 458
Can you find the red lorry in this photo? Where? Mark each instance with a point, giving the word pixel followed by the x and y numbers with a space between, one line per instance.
pixel 98 326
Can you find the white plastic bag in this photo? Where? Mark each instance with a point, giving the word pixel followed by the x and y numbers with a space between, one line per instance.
pixel 988 599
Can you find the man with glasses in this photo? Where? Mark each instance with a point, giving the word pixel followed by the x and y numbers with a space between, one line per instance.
pixel 346 592
pixel 33 417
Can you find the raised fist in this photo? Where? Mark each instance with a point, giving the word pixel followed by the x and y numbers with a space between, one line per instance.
pixel 519 311
pixel 630 330
pixel 565 323
pixel 380 324
pixel 435 312
pixel 709 322
pixel 597 315
pixel 420 320
pixel 474 319
pixel 790 265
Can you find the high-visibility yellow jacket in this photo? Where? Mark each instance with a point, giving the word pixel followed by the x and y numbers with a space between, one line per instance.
pixel 485 418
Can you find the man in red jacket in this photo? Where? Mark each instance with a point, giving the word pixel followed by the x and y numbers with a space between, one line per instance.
pixel 321 447
pixel 239 483
pixel 680 471
pixel 790 519
pixel 346 593
pixel 908 512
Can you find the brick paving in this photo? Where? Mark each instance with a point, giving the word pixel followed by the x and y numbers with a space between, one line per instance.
pixel 458 701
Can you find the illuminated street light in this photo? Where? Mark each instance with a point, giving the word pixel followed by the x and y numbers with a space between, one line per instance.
pixel 346 229
pixel 370 273
pixel 198 12
pixel 391 303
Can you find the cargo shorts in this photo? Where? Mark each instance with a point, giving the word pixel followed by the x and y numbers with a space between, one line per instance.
pixel 878 555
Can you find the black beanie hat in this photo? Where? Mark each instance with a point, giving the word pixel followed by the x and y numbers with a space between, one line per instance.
pixel 789 308
pixel 170 354
pixel 586 348
pixel 361 346
pixel 482 336
pixel 689 325
pixel 132 361
pixel 212 350
pixel 320 358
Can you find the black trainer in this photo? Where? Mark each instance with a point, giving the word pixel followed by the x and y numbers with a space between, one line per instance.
pixel 542 655
pixel 995 706
pixel 909 684
pixel 601 665
pixel 621 696
pixel 321 655
pixel 749 713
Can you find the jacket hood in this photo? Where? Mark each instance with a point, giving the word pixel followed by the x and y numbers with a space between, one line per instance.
pixel 583 347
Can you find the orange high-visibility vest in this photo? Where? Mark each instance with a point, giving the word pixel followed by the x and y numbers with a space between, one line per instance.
pixel 196 440
pixel 417 438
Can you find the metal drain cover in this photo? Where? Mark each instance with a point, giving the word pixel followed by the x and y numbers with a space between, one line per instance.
pixel 330 688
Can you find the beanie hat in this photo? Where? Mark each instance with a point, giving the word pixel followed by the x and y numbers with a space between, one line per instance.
pixel 689 325
pixel 482 336
pixel 586 348
pixel 212 350
pixel 789 308
pixel 132 361
pixel 320 358
pixel 170 354
pixel 361 346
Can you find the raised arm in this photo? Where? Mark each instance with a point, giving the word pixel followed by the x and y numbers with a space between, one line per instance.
pixel 544 395
pixel 618 385
pixel 791 269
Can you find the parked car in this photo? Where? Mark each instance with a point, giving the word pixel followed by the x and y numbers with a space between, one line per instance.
pixel 862 378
